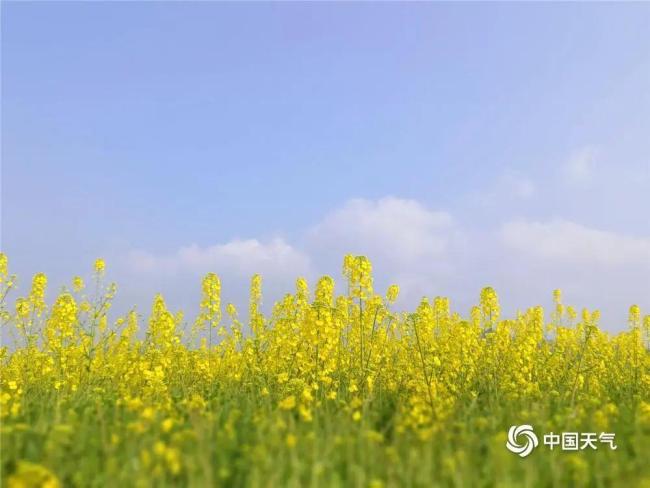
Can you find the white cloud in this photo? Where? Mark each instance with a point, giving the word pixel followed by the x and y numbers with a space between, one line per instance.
pixel 177 275
pixel 579 167
pixel 569 242
pixel 393 229
pixel 237 257
pixel 596 269
pixel 396 231
pixel 408 243
pixel 426 252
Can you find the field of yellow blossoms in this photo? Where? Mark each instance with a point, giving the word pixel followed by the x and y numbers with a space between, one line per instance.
pixel 327 390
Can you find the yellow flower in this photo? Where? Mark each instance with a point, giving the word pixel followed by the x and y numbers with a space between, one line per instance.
pixel 211 303
pixel 291 440
pixel 305 413
pixel 167 424
pixel 148 413
pixel 392 293
pixel 31 475
pixel 3 266
pixel 232 311
pixel 490 305
pixel 100 266
pixel 635 317
pixel 22 308
pixel 288 403
pixel 37 293
pixel 159 448
pixel 296 372
pixel 77 284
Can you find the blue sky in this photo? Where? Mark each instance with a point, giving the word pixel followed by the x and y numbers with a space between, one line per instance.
pixel 458 145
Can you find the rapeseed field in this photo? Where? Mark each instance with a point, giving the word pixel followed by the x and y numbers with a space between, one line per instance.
pixel 327 390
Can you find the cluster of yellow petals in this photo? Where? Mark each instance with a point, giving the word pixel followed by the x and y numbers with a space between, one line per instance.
pixel 177 400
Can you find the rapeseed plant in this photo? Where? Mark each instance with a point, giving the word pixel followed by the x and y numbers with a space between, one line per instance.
pixel 326 390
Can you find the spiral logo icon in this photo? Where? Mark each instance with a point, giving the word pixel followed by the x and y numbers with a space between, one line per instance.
pixel 525 433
